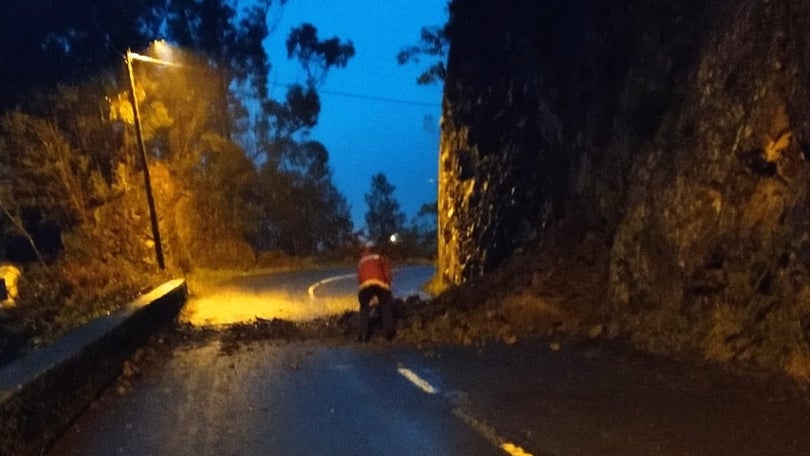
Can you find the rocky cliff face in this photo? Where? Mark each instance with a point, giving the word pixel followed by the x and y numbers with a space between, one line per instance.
pixel 668 139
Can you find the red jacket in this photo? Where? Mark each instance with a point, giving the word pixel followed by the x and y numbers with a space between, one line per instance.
pixel 373 269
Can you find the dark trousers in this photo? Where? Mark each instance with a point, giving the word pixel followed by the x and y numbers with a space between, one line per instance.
pixel 385 303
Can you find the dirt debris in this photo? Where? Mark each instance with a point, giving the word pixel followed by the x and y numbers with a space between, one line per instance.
pixel 419 322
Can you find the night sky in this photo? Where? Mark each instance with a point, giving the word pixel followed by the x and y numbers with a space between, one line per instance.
pixel 374 117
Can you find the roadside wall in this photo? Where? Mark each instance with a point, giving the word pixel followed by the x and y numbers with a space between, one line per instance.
pixel 43 392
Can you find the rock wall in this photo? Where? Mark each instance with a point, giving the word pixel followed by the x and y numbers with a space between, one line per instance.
pixel 677 131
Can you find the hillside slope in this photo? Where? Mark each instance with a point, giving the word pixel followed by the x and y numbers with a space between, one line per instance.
pixel 643 163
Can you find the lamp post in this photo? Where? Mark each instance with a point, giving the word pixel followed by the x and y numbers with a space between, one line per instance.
pixel 139 133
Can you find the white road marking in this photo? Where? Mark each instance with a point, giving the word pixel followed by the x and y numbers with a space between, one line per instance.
pixel 311 289
pixel 489 433
pixel 480 426
pixel 417 380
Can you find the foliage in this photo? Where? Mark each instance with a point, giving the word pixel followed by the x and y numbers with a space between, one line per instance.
pixel 317 56
pixel 383 217
pixel 299 112
pixel 52 42
pixel 68 294
pixel 71 174
pixel 40 168
pixel 87 37
pixel 304 212
pixel 434 45
pixel 224 182
pixel 66 172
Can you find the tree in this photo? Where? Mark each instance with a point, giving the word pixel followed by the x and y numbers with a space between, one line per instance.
pixel 434 45
pixel 227 42
pixel 317 56
pixel 83 146
pixel 193 118
pixel 51 42
pixel 41 169
pixel 69 169
pixel 206 179
pixel 383 217
pixel 301 107
pixel 304 212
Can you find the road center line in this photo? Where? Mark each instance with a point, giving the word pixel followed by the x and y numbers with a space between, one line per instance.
pixel 481 427
pixel 311 289
pixel 417 380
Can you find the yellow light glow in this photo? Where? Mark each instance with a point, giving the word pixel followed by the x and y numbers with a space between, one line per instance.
pixel 233 306
pixel 162 49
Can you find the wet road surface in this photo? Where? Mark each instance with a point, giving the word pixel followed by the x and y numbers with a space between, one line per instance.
pixel 310 398
pixel 297 399
pixel 206 396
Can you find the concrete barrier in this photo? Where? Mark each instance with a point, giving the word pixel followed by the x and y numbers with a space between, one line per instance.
pixel 41 393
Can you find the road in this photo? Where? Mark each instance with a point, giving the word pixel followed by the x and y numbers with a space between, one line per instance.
pixel 295 296
pixel 346 398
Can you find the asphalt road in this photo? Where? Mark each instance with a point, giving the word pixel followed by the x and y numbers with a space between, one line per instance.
pixel 294 296
pixel 346 398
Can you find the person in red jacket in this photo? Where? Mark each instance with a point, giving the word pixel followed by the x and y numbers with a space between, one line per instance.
pixel 374 283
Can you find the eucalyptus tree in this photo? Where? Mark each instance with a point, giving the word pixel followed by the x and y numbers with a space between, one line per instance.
pixel 434 46
pixel 304 213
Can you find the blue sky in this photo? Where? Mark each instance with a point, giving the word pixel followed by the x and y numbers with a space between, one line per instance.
pixel 363 134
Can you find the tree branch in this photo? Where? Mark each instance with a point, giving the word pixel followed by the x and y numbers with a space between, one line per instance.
pixel 25 233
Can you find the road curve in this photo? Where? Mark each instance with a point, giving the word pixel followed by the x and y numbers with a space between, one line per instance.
pixel 295 295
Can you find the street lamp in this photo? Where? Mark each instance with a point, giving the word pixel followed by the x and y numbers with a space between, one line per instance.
pixel 139 134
